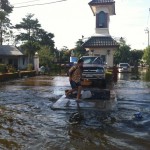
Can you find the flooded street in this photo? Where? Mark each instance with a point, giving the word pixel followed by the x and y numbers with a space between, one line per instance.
pixel 27 121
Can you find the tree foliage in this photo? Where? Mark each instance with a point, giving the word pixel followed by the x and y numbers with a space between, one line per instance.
pixel 79 50
pixel 32 37
pixel 65 54
pixel 46 55
pixel 29 49
pixel 45 38
pixel 30 27
pixel 123 52
pixel 5 24
pixel 5 5
pixel 126 55
pixel 33 32
pixel 135 56
pixel 146 55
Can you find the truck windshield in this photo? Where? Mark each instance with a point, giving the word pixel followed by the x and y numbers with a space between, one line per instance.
pixel 92 60
pixel 124 65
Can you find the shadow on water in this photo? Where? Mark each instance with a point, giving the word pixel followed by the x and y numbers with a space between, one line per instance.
pixel 27 121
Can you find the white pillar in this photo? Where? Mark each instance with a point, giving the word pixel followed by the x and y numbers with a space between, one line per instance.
pixel 36 62
pixel 109 59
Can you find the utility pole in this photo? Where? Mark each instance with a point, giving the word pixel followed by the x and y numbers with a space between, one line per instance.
pixel 147 31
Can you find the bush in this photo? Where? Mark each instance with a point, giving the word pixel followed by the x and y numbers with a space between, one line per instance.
pixel 55 68
pixel 3 68
pixel 30 67
pixel 146 76
pixel 12 69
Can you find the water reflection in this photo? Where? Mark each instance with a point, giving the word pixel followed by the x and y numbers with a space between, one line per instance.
pixel 146 75
pixel 124 76
pixel 141 75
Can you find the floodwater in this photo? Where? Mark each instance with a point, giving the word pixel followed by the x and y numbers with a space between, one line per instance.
pixel 27 121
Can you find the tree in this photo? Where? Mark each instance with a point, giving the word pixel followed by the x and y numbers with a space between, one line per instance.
pixel 123 52
pixel 5 5
pixel 146 55
pixel 34 32
pixel 46 56
pixel 29 49
pixel 6 8
pixel 135 56
pixel 65 57
pixel 33 36
pixel 45 38
pixel 79 50
pixel 30 26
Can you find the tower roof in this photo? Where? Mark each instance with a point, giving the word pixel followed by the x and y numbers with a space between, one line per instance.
pixel 109 3
pixel 100 42
pixel 100 2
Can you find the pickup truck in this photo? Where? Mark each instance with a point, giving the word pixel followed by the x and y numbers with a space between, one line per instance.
pixel 93 69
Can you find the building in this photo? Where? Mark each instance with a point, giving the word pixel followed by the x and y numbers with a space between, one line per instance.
pixel 10 55
pixel 101 43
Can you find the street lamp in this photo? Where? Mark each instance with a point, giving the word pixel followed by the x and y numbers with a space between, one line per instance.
pixel 147 31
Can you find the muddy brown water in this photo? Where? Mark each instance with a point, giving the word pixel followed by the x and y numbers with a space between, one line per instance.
pixel 27 121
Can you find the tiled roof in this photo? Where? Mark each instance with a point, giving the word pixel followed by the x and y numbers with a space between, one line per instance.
pixel 9 50
pixel 100 2
pixel 100 41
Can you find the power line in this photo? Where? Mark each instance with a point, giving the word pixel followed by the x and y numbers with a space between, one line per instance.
pixel 40 4
pixel 25 2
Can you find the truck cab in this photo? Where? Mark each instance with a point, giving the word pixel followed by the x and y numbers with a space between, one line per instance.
pixel 93 69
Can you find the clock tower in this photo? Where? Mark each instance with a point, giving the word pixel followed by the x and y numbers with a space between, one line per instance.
pixel 102 10
pixel 101 43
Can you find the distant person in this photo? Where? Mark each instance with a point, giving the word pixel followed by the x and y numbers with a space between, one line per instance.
pixel 75 76
pixel 42 70
pixel 115 73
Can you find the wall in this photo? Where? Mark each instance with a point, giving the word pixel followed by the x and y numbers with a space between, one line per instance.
pixel 20 60
pixel 103 51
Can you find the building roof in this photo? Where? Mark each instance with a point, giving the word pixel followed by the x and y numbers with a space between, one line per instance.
pixel 9 50
pixel 100 2
pixel 100 42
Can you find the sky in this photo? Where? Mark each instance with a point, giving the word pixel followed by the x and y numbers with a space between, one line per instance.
pixel 69 20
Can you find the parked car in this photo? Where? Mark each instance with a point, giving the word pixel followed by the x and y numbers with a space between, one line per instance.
pixel 124 67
